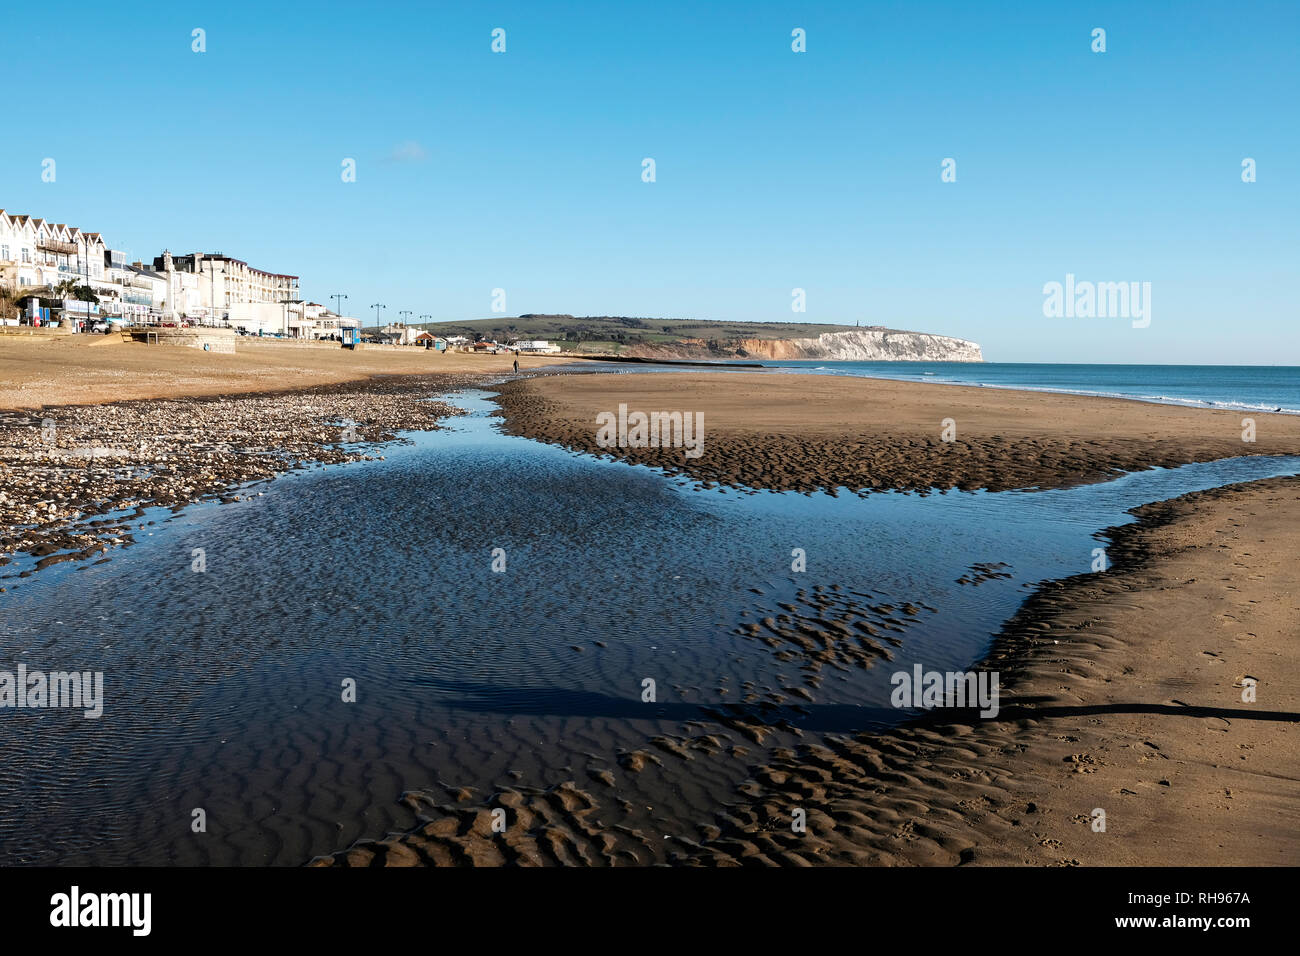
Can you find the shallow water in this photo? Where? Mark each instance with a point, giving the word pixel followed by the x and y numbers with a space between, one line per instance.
pixel 224 687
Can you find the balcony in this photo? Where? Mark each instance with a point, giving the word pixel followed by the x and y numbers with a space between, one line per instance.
pixel 55 245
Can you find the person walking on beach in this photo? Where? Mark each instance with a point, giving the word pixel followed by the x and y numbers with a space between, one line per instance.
pixel 516 366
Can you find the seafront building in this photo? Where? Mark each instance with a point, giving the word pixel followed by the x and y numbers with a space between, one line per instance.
pixel 220 290
pixel 38 253
pixel 197 288
pixel 537 346
pixel 398 334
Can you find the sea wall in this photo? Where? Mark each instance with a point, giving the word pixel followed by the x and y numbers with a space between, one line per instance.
pixel 210 340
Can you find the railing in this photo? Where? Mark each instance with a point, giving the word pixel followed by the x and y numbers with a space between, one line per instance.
pixel 56 245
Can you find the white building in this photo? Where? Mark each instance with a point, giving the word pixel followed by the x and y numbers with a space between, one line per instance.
pixel 216 289
pixel 321 323
pixel 229 282
pixel 211 289
pixel 130 290
pixel 400 334
pixel 142 296
pixel 37 253
pixel 538 345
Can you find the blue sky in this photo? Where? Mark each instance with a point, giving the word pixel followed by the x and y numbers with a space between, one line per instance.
pixel 775 170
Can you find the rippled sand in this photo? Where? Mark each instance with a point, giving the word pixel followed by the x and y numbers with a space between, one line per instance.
pixel 810 432
pixel 523 692
pixel 1091 723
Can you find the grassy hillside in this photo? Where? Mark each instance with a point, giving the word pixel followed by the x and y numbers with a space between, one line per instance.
pixel 621 330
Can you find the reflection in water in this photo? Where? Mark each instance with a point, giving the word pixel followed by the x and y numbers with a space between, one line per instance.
pixel 224 688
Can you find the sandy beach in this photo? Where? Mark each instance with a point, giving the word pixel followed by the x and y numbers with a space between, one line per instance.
pixel 817 432
pixel 1122 691
pixel 1125 696
pixel 52 370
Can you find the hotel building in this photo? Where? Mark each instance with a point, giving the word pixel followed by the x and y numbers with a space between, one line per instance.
pixel 211 289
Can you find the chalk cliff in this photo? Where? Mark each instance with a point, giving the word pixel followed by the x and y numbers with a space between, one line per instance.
pixel 866 345
pixel 852 345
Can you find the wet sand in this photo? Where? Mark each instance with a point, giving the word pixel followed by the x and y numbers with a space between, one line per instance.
pixel 1122 692
pixel 818 432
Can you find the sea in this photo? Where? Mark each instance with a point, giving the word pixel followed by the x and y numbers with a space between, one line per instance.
pixel 1247 388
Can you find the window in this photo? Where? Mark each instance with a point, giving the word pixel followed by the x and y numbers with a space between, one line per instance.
pixel 27 254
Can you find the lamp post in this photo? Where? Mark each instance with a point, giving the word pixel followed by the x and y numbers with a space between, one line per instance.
pixel 212 290
pixel 338 309
pixel 85 248
pixel 87 258
pixel 377 306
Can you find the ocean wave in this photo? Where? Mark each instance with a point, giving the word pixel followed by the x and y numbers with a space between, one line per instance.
pixel 1157 399
pixel 931 378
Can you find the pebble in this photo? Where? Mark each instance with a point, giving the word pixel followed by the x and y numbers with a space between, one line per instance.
pixel 169 453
